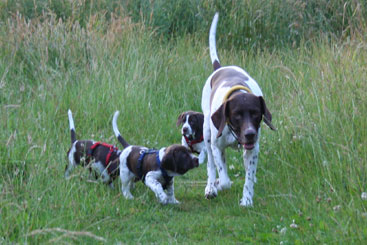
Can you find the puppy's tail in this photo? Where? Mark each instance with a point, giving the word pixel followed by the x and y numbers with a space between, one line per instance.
pixel 117 132
pixel 212 45
pixel 72 127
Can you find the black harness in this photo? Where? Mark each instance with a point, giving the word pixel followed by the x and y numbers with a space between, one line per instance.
pixel 167 178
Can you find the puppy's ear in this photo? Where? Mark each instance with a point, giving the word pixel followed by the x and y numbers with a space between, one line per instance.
pixel 267 115
pixel 219 118
pixel 181 119
pixel 168 161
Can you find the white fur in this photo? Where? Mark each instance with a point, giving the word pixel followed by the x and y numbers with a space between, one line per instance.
pixel 126 176
pixel 216 146
pixel 212 45
pixel 114 124
pixel 72 163
pixel 71 121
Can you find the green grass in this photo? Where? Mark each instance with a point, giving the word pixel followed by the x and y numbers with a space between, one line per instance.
pixel 311 171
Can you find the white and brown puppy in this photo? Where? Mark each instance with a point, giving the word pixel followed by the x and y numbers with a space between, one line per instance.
pixel 233 107
pixel 192 132
pixel 156 168
pixel 99 157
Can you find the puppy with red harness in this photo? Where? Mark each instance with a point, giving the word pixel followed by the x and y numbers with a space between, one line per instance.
pixel 156 168
pixel 192 132
pixel 100 157
pixel 233 107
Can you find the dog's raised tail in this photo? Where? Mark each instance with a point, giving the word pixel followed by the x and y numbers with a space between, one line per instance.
pixel 72 127
pixel 212 43
pixel 117 132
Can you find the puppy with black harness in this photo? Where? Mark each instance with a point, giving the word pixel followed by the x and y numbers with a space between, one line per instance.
pixel 99 157
pixel 233 107
pixel 192 132
pixel 156 168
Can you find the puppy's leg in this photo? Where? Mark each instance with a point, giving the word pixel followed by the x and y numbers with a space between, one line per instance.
pixel 126 176
pixel 71 163
pixel 101 170
pixel 151 180
pixel 202 155
pixel 250 162
pixel 210 189
pixel 171 193
pixel 220 161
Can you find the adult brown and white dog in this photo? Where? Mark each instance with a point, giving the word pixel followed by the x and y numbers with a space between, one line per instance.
pixel 156 168
pixel 233 107
pixel 192 132
pixel 100 158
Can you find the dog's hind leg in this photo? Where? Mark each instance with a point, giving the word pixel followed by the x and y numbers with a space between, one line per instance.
pixel 126 176
pixel 69 167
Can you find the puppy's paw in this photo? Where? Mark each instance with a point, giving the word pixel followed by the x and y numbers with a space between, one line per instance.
pixel 210 191
pixel 246 201
pixel 223 184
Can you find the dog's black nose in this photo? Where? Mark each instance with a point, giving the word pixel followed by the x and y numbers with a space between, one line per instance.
pixel 184 130
pixel 250 134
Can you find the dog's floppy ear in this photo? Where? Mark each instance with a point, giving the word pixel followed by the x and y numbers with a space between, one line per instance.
pixel 181 118
pixel 168 161
pixel 219 118
pixel 267 115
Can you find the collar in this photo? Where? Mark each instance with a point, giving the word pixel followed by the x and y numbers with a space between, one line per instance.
pixel 235 88
pixel 190 143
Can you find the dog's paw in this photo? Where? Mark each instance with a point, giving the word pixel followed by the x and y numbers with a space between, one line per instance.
pixel 246 201
pixel 173 201
pixel 128 195
pixel 222 185
pixel 210 191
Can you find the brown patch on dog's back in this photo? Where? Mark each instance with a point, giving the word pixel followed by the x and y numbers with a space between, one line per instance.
pixel 229 77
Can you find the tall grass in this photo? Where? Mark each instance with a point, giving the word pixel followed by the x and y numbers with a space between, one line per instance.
pixel 311 173
pixel 252 24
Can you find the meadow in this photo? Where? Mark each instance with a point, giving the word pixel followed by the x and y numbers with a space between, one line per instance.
pixel 311 174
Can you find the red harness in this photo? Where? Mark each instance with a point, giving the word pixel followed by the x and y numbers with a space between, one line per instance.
pixel 111 147
pixel 190 143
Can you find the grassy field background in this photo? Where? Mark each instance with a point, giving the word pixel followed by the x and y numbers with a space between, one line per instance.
pixel 311 173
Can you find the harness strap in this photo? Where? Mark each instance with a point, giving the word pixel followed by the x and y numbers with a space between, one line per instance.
pixel 191 143
pixel 141 176
pixel 112 149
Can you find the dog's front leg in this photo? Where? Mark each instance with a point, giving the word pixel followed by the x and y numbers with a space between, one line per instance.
pixel 220 161
pixel 202 156
pixel 151 180
pixel 210 189
pixel 171 193
pixel 250 162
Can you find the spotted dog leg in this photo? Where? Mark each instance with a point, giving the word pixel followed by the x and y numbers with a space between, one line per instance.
pixel 151 180
pixel 210 189
pixel 250 162
pixel 171 193
pixel 126 176
pixel 223 182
